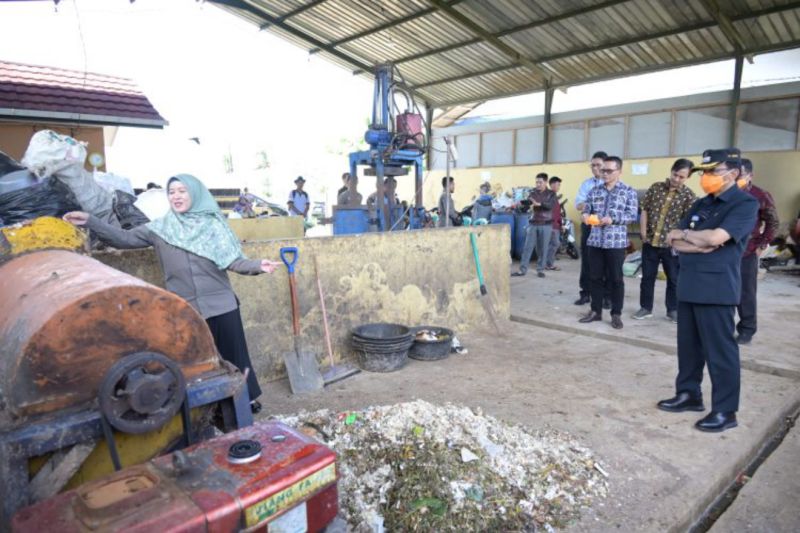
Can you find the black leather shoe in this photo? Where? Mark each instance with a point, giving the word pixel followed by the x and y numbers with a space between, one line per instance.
pixel 255 407
pixel 683 401
pixel 591 316
pixel 583 300
pixel 616 321
pixel 716 421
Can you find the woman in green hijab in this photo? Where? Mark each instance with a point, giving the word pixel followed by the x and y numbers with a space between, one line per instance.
pixel 196 248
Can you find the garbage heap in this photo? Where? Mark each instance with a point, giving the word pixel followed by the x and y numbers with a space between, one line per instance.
pixel 422 467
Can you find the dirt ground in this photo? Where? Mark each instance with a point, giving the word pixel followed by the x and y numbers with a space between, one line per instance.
pixel 601 386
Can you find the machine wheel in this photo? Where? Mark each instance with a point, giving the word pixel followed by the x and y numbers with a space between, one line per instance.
pixel 141 392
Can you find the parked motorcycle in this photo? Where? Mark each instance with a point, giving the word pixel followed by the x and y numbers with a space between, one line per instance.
pixel 567 235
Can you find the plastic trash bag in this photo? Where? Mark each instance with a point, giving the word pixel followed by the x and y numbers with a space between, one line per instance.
pixel 50 197
pixel 632 264
pixel 49 152
pixel 90 195
pixel 126 212
pixel 153 203
pixel 112 182
pixel 8 164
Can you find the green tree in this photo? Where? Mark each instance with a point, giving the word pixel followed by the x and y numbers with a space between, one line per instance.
pixel 227 161
pixel 263 164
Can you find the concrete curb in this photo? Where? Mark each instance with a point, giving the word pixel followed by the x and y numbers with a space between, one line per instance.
pixel 747 364
pixel 756 456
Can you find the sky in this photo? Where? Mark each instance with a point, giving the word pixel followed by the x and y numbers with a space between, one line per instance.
pixel 212 76
pixel 243 92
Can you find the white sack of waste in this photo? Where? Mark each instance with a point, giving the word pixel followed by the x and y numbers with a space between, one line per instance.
pixel 112 182
pixel 53 154
pixel 152 203
pixel 50 152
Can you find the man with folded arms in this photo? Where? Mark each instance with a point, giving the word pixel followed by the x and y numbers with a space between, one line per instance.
pixel 710 241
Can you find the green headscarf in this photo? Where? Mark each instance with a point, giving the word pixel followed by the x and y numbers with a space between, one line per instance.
pixel 202 230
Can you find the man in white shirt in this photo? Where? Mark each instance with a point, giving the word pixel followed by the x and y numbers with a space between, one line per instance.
pixel 298 199
pixel 588 184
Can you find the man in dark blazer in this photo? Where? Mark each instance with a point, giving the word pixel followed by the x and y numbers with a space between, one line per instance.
pixel 710 241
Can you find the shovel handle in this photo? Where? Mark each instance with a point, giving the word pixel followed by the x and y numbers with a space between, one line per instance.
pixel 295 305
pixel 473 240
pixel 289 250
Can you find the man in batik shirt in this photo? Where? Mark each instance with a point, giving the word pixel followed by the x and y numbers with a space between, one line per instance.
pixel 663 207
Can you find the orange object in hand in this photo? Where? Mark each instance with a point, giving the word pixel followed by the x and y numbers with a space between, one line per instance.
pixel 593 220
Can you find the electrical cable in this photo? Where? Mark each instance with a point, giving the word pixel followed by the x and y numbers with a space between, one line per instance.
pixel 83 44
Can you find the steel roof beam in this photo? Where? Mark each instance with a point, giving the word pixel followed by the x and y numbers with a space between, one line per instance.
pixel 490 38
pixel 608 46
pixel 249 8
pixel 612 76
pixel 390 24
pixel 509 31
pixel 292 13
pixel 725 25
pixel 569 53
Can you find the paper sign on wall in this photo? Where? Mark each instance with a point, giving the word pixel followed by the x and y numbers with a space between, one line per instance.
pixel 486 175
pixel 640 169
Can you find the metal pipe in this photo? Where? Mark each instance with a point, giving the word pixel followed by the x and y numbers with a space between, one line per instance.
pixel 737 91
pixel 548 106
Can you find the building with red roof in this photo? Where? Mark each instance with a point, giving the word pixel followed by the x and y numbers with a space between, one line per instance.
pixel 84 105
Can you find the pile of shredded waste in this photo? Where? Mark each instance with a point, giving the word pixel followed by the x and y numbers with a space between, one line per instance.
pixel 422 467
pixel 431 335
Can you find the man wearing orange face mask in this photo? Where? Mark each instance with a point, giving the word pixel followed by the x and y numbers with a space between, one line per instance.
pixel 710 241
pixel 762 234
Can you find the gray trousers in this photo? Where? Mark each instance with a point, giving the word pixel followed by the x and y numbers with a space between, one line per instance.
pixel 537 237
pixel 555 244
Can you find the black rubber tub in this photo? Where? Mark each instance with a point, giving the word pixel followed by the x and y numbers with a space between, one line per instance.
pixel 432 350
pixel 382 361
pixel 382 347
pixel 382 332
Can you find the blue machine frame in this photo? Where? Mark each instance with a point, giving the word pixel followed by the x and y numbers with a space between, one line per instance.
pixel 382 155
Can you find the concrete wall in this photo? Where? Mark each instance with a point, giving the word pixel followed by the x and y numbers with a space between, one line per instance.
pixel 777 172
pixel 262 229
pixel 15 137
pixel 413 278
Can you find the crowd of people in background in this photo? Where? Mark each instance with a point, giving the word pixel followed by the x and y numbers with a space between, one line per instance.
pixel 708 249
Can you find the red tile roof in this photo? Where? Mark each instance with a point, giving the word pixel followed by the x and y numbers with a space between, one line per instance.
pixel 37 92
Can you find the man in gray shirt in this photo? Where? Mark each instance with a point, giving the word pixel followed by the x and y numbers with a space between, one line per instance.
pixel 447 209
pixel 540 226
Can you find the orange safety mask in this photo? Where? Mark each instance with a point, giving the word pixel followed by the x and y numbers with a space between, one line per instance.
pixel 741 183
pixel 712 183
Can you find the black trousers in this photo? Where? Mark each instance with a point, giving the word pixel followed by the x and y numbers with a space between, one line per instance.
pixel 605 273
pixel 651 258
pixel 585 284
pixel 747 325
pixel 228 333
pixel 705 337
pixel 585 281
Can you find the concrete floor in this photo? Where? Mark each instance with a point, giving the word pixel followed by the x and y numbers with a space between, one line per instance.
pixel 601 385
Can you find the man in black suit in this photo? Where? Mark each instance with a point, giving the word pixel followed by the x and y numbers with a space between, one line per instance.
pixel 710 241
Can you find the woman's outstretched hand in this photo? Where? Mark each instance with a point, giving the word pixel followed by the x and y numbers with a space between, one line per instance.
pixel 77 218
pixel 269 266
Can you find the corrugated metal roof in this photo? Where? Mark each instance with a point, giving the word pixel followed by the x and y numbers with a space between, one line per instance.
pixel 459 51
pixel 31 91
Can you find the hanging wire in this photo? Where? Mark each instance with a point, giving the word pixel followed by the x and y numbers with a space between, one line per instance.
pixel 83 44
